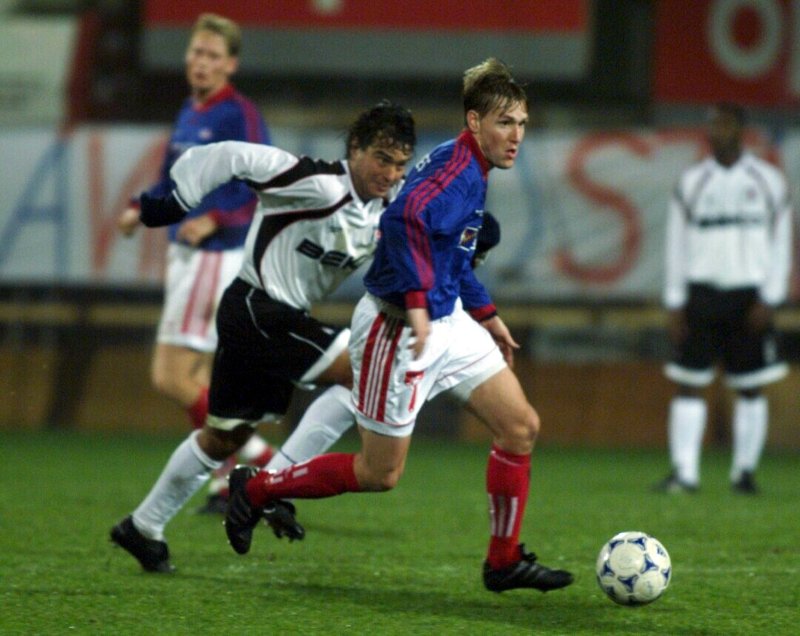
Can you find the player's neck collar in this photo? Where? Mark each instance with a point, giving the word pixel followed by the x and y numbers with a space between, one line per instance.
pixel 226 92
pixel 468 138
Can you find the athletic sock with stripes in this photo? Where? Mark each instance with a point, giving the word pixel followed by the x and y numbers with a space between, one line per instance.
pixel 507 484
pixel 323 476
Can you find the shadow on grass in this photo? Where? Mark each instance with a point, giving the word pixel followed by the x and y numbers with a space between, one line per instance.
pixel 562 611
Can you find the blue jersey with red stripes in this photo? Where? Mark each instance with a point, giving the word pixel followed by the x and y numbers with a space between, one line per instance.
pixel 227 115
pixel 428 234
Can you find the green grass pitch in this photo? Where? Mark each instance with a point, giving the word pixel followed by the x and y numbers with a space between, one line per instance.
pixel 404 562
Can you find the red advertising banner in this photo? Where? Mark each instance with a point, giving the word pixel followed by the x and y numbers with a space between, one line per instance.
pixel 746 51
pixel 559 16
pixel 540 39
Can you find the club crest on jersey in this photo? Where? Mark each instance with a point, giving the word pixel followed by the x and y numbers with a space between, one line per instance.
pixel 468 237
pixel 205 134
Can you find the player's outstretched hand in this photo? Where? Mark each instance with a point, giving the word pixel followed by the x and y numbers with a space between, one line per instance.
pixel 502 336
pixel 160 211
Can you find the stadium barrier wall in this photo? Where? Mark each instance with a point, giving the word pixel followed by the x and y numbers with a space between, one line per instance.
pixel 84 365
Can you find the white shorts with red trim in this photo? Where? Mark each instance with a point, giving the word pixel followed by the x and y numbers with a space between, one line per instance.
pixel 390 387
pixel 195 282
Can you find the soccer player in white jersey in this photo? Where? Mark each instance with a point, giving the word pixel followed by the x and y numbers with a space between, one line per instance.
pixel 728 254
pixel 315 223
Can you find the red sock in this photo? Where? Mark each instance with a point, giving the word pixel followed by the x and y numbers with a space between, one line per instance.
pixel 507 483
pixel 199 410
pixel 322 476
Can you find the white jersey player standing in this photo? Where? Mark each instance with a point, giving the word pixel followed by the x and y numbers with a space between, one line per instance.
pixel 315 223
pixel 728 255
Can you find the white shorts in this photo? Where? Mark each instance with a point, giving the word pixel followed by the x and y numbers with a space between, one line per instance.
pixel 195 282
pixel 390 387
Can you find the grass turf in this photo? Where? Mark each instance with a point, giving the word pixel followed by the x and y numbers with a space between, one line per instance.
pixel 403 562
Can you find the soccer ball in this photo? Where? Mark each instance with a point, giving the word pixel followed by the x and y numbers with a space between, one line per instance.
pixel 633 568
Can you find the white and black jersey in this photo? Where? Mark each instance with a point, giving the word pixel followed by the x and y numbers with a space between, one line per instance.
pixel 729 228
pixel 289 253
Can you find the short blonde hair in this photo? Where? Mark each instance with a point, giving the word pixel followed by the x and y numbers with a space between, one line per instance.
pixel 220 25
pixel 490 85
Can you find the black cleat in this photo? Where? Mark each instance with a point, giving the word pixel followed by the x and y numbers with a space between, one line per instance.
pixel 151 554
pixel 746 484
pixel 214 505
pixel 279 515
pixel 525 573
pixel 672 484
pixel 240 515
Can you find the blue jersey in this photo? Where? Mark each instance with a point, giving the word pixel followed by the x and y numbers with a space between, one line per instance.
pixel 228 115
pixel 428 234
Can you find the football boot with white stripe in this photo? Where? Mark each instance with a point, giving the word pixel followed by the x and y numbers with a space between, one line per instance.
pixel 525 573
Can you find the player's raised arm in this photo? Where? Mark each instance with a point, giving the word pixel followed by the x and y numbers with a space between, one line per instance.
pixel 201 169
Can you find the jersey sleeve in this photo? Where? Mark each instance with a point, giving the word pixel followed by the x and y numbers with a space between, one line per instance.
pixel 405 228
pixel 675 286
pixel 474 296
pixel 203 168
pixel 776 282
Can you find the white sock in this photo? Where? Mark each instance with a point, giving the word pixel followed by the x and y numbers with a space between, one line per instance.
pixel 219 478
pixel 687 423
pixel 253 448
pixel 186 471
pixel 324 422
pixel 750 417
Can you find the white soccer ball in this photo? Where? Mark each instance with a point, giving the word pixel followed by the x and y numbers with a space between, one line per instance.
pixel 633 568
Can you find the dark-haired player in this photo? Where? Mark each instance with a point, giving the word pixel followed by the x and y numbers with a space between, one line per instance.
pixel 316 223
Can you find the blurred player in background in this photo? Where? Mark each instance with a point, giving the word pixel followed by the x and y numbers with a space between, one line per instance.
pixel 427 325
pixel 206 249
pixel 315 224
pixel 727 267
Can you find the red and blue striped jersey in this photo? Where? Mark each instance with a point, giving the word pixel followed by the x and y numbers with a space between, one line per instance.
pixel 228 115
pixel 428 234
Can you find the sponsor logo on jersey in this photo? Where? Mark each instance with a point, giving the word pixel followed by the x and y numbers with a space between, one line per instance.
pixel 332 258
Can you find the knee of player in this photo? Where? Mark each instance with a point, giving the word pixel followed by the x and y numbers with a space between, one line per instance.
pixel 380 480
pixel 220 445
pixel 165 383
pixel 531 424
pixel 389 480
pixel 520 431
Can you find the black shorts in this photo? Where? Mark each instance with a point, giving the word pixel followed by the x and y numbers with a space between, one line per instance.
pixel 718 332
pixel 265 348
